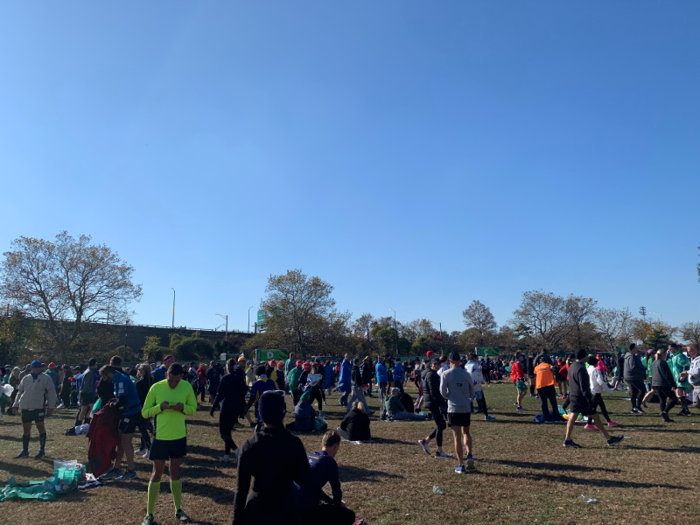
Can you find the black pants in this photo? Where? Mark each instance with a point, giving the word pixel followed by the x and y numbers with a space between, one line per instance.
pixel 532 385
pixel 226 422
pixel 549 393
pixel 325 514
pixel 316 395
pixel 637 392
pixel 296 395
pixel 145 426
pixel 599 403
pixel 441 425
pixel 567 402
pixel 65 397
pixel 665 393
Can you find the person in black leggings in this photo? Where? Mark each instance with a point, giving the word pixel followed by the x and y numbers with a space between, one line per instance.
pixel 436 404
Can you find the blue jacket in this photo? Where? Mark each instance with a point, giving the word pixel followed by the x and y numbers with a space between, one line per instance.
pixel 159 373
pixel 345 376
pixel 398 371
pixel 329 376
pixel 382 373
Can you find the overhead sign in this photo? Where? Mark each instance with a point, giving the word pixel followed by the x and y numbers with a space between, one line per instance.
pixel 269 354
pixel 484 351
pixel 262 315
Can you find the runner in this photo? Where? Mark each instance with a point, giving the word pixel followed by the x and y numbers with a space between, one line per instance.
pixel 456 386
pixel 663 384
pixel 127 401
pixel 231 395
pixel 581 398
pixel 436 404
pixel 635 373
pixel 88 390
pixel 517 374
pixel 169 402
pixel 35 389
pixel 476 372
pixel 598 386
pixel 315 506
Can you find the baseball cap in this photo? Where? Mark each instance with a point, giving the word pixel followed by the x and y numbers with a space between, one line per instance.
pixel 52 365
pixel 454 356
pixel 37 364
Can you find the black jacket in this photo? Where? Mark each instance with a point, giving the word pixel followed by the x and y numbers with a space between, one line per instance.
pixel 579 382
pixel 231 393
pixel 356 424
pixel 366 372
pixel 356 377
pixel 431 390
pixel 661 374
pixel 142 387
pixel 276 459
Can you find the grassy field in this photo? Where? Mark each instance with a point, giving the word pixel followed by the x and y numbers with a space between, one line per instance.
pixel 523 473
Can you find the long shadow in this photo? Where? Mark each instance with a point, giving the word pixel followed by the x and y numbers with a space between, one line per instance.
pixel 349 473
pixel 389 441
pixel 216 494
pixel 552 466
pixel 203 422
pixel 24 471
pixel 588 482
pixel 692 450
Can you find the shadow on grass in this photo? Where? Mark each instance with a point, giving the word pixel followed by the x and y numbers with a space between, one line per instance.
pixel 218 495
pixel 348 473
pixel 23 472
pixel 552 466
pixel 692 450
pixel 609 483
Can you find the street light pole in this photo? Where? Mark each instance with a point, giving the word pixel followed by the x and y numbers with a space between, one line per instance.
pixel 173 289
pixel 396 334
pixel 226 318
pixel 249 319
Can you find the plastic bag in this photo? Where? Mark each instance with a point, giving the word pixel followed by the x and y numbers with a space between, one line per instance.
pixel 42 490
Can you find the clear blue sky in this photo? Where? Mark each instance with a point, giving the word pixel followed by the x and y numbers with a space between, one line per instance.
pixel 416 155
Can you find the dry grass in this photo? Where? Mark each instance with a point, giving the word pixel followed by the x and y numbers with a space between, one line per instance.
pixel 523 473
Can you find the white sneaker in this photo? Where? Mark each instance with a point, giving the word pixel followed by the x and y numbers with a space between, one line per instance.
pixel 424 445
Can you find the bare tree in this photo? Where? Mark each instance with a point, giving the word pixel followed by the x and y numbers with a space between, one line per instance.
pixel 579 312
pixel 615 326
pixel 544 316
pixel 690 332
pixel 67 283
pixel 479 317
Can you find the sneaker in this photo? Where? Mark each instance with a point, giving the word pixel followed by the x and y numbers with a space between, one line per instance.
pixel 459 469
pixel 682 414
pixel 442 455
pixel 424 445
pixel 23 454
pixel 148 520
pixel 614 440
pixel 612 423
pixel 225 459
pixel 521 408
pixel 180 515
pixel 590 427
pixel 489 418
pixel 533 395
pixel 470 462
pixel 129 474
pixel 110 474
pixel 665 418
pixel 40 454
pixel 640 411
pixel 138 451
pixel 570 444
pixel 645 405
pixel 145 453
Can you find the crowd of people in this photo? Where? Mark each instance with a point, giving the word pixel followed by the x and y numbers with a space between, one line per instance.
pixel 277 481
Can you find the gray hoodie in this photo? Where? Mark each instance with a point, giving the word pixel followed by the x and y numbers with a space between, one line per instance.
pixel 457 386
pixel 634 368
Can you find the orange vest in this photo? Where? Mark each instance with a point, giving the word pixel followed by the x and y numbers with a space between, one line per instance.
pixel 545 377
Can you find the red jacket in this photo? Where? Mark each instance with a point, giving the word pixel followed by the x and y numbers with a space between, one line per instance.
pixel 103 436
pixel 517 371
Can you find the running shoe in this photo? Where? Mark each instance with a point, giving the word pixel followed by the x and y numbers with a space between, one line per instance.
pixel 145 453
pixel 612 423
pixel 23 454
pixel 614 440
pixel 180 515
pixel 129 474
pixel 470 462
pixel 442 455
pixel 148 520
pixel 40 454
pixel 225 459
pixel 489 418
pixel 682 414
pixel 590 427
pixel 521 408
pixel 459 469
pixel 665 418
pixel 570 444
pixel 424 445
pixel 138 451
pixel 533 395
pixel 111 474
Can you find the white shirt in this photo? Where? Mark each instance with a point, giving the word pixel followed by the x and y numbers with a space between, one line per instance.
pixel 474 370
pixel 598 384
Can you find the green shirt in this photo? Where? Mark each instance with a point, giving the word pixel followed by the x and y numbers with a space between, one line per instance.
pixel 293 377
pixel 393 405
pixel 170 424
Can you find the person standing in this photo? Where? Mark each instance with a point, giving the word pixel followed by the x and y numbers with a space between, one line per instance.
pixel 315 506
pixel 693 375
pixel 679 364
pixel 581 401
pixel 477 374
pixel 35 390
pixel 546 389
pixel 530 371
pixel 276 460
pixel 635 373
pixel 231 395
pixel 294 376
pixel 456 386
pixel 663 384
pixel 517 374
pixel 345 380
pixel 289 364
pixel 382 379
pixel 619 371
pixel 328 381
pixel 598 386
pixel 436 404
pixel 213 379
pixel 366 372
pixel 399 374
pixel 160 372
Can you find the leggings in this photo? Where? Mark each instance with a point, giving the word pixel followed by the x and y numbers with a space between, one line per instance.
pixel 549 393
pixel 532 386
pixel 441 425
pixel 226 422
pixel 145 426
pixel 599 403
pixel 317 394
pixel 666 393
pixel 637 392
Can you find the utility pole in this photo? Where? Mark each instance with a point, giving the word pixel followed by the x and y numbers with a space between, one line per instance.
pixel 396 334
pixel 226 318
pixel 643 313
pixel 173 289
pixel 249 319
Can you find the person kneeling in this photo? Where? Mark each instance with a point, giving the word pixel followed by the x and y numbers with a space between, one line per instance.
pixel 396 411
pixel 315 506
pixel 355 424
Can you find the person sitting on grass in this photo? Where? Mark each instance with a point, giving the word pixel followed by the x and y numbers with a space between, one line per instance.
pixel 395 409
pixel 355 424
pixel 581 398
pixel 315 506
pixel 304 415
